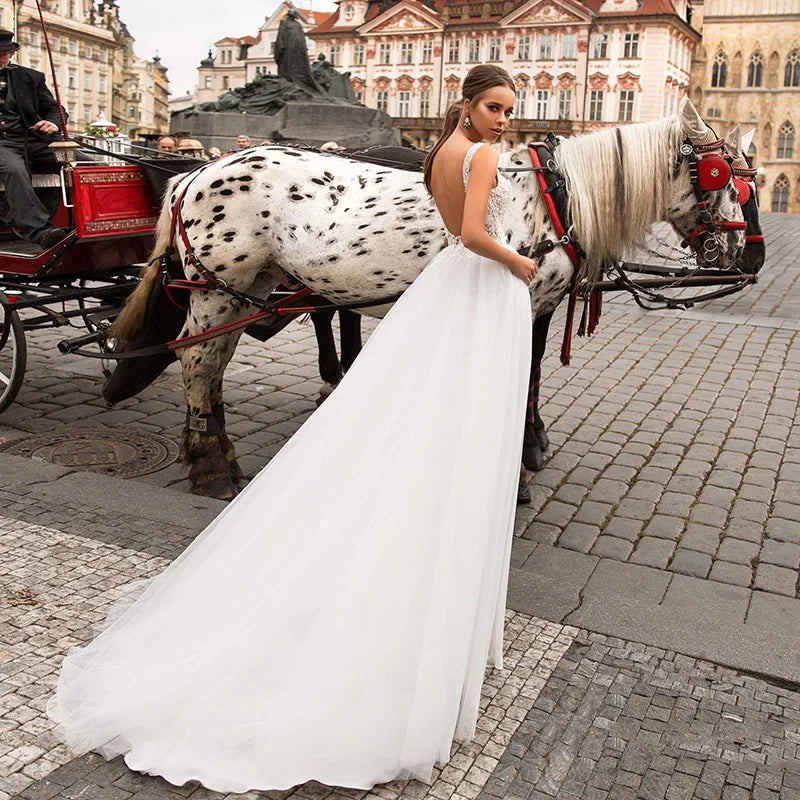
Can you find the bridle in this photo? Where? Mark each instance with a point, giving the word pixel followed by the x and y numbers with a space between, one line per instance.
pixel 709 171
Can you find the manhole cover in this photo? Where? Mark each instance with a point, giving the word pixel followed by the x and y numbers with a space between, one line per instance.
pixel 125 454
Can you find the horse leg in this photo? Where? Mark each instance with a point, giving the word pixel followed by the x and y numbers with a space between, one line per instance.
pixel 228 450
pixel 350 329
pixel 536 442
pixel 330 369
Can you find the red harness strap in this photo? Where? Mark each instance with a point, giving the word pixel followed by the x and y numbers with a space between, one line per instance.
pixel 569 249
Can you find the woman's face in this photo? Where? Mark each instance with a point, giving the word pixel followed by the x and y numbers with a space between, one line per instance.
pixel 490 112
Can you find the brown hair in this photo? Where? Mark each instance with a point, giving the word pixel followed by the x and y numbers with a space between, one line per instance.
pixel 479 80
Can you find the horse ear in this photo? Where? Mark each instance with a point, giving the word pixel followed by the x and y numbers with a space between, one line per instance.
pixel 747 140
pixel 694 126
pixel 734 141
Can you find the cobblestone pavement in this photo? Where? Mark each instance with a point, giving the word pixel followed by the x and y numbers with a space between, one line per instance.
pixel 58 585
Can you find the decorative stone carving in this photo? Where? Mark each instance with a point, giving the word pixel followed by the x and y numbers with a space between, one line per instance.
pixel 544 80
pixel 521 80
pixel 628 81
pixel 566 80
pixel 598 81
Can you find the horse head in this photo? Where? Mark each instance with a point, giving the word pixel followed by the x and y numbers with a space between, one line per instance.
pixel 704 207
pixel 744 181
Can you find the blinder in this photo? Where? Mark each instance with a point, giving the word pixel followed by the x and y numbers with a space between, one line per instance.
pixel 743 191
pixel 713 172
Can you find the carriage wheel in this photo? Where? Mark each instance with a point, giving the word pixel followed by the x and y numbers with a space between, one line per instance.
pixel 13 353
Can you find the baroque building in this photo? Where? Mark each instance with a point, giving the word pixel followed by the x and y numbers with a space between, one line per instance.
pixel 237 60
pixel 577 65
pixel 95 66
pixel 747 70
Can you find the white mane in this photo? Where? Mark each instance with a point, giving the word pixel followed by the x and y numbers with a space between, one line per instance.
pixel 614 200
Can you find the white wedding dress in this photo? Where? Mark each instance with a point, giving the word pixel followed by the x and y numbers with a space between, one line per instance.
pixel 334 623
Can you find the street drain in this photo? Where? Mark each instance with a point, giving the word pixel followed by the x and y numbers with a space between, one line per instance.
pixel 123 454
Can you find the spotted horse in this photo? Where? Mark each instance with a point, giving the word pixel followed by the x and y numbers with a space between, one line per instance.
pixel 356 232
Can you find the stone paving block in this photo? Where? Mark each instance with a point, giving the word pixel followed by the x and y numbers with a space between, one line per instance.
pixel 690 562
pixel 737 551
pixel 781 554
pixel 608 546
pixel 542 532
pixel 556 513
pixel 593 513
pixel 783 530
pixel 624 528
pixel 735 574
pixel 703 538
pixel 664 527
pixel 579 536
pixel 776 579
pixel 653 552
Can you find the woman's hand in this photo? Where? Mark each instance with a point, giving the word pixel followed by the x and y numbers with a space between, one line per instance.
pixel 524 268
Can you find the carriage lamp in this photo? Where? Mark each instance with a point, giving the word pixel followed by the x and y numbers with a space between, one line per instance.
pixel 65 152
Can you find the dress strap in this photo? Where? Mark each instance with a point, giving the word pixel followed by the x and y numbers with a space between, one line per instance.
pixel 468 160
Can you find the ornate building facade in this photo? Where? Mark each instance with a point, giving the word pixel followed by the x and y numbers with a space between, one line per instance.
pixel 577 65
pixel 748 71
pixel 97 71
pixel 237 60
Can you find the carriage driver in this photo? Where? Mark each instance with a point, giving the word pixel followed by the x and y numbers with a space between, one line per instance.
pixel 28 123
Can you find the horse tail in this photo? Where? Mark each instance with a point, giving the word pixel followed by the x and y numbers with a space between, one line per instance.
pixel 130 320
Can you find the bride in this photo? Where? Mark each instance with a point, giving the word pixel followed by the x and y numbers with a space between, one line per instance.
pixel 345 639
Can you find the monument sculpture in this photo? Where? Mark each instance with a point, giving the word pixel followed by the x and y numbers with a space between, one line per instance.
pixel 302 103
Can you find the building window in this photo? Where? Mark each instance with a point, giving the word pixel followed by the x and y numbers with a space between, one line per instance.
pixel 132 112
pixel 385 53
pixel 73 47
pixel 358 54
pixel 713 111
pixel 453 50
pixel 425 103
pixel 474 50
pixel 451 97
pixel 524 48
pixel 225 82
pixel 427 52
pixel 87 113
pixel 568 45
pixel 545 46
pixel 780 194
pixel 626 105
pixel 755 69
pixel 359 96
pixel 542 99
pixel 382 100
pixel 519 105
pixel 596 105
pixel 36 40
pixel 630 47
pixel 719 72
pixel 349 13
pixel 207 82
pixel 785 141
pixel 103 54
pixel 495 48
pixel 600 46
pixel 404 104
pixel 791 75
pixel 87 81
pixel 406 53
pixel 564 103
pixel 72 79
pixel 334 55
pixel 89 51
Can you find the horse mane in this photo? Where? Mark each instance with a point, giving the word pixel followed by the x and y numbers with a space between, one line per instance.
pixel 618 183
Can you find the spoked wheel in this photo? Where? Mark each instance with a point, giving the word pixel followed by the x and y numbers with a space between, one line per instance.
pixel 13 353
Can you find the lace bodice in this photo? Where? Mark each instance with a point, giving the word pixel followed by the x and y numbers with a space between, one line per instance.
pixel 498 200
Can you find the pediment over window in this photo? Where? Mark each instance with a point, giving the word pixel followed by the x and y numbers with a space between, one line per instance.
pixel 544 12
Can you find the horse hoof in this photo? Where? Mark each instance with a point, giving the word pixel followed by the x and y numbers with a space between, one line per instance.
pixel 541 437
pixel 237 475
pixel 532 458
pixel 523 494
pixel 218 488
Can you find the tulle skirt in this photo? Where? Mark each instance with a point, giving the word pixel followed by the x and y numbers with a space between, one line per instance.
pixel 335 621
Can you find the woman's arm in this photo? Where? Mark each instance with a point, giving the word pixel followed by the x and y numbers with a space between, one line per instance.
pixel 482 177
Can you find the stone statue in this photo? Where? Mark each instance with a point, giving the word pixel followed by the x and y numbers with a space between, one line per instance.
pixel 336 84
pixel 291 53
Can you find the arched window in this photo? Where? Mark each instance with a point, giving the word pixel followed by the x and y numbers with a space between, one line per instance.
pixel 791 75
pixel 755 69
pixel 719 71
pixel 780 194
pixel 785 141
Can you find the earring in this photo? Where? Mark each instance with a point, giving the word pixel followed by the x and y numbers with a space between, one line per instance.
pixel 467 123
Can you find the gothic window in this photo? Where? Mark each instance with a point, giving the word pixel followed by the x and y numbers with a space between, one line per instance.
pixel 785 141
pixel 755 69
pixel 719 71
pixel 780 194
pixel 791 75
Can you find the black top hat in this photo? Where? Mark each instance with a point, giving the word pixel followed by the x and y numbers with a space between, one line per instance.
pixel 7 43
